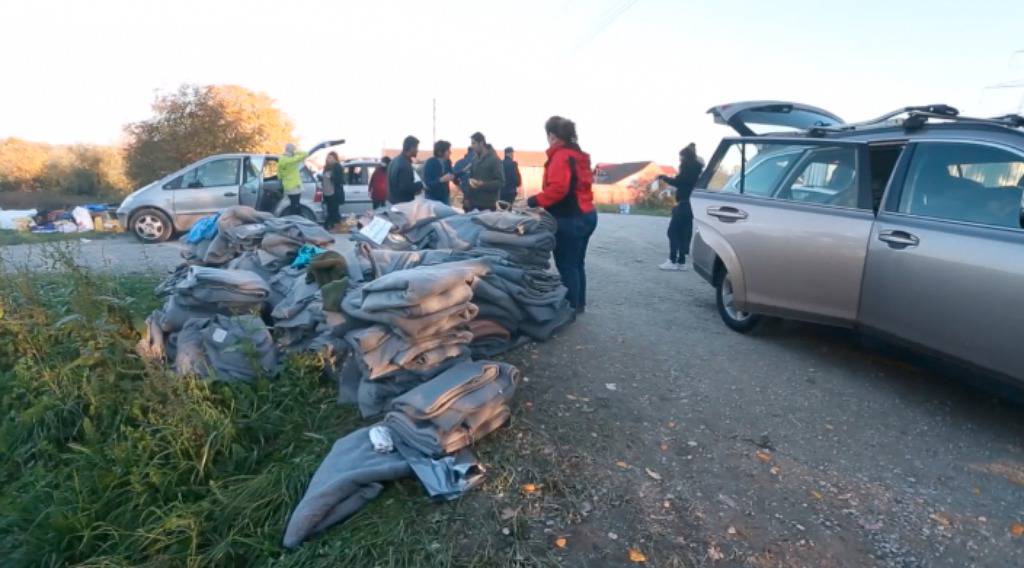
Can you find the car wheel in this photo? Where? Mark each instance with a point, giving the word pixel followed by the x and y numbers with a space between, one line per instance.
pixel 308 214
pixel 735 319
pixel 151 226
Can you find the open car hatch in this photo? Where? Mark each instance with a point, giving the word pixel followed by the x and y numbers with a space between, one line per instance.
pixel 743 116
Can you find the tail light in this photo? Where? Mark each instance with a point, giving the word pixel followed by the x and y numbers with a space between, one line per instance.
pixel 318 195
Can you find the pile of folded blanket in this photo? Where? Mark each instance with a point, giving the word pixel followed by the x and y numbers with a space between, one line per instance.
pixel 417 326
pixel 528 236
pixel 408 323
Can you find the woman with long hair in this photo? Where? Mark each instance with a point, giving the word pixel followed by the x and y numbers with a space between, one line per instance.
pixel 680 228
pixel 333 185
pixel 566 194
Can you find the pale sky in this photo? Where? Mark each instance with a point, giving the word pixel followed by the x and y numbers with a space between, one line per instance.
pixel 636 75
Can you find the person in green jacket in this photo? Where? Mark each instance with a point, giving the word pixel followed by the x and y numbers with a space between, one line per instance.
pixel 486 176
pixel 288 172
pixel 288 166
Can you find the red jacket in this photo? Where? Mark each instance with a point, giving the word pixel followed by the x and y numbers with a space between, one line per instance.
pixel 379 184
pixel 567 182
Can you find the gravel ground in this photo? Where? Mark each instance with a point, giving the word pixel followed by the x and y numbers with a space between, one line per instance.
pixel 799 446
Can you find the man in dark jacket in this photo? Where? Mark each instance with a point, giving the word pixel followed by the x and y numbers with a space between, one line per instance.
pixel 402 184
pixel 486 176
pixel 513 179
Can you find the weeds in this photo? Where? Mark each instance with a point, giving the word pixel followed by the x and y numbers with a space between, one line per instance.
pixel 106 460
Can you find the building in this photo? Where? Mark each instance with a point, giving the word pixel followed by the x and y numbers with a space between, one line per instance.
pixel 616 184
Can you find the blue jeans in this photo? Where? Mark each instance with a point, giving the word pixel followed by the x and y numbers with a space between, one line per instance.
pixel 571 241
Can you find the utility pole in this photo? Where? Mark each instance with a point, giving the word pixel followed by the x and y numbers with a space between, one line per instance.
pixel 433 131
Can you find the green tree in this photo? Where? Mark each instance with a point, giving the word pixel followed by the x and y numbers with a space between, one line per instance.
pixel 197 121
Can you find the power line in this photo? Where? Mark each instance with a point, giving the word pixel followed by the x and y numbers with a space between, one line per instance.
pixel 607 19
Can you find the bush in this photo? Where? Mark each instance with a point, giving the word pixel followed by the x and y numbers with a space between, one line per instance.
pixel 73 170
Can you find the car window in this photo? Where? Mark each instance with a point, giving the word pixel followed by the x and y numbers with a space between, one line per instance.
pixel 826 175
pixel 251 175
pixel 356 175
pixel 174 183
pixel 270 170
pixel 763 174
pixel 966 182
pixel 307 176
pixel 217 173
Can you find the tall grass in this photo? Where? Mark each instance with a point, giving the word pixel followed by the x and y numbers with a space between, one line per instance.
pixel 107 460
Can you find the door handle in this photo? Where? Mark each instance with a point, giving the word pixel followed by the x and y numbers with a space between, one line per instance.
pixel 727 213
pixel 899 239
pixel 231 194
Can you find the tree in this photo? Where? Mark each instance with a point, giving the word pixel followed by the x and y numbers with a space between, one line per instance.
pixel 22 163
pixel 197 121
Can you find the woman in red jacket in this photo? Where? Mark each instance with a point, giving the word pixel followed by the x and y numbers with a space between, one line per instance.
pixel 379 184
pixel 566 194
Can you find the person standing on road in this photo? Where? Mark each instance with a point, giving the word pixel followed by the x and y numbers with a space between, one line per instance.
pixel 461 171
pixel 680 228
pixel 333 184
pixel 379 184
pixel 437 172
pixel 486 176
pixel 402 184
pixel 513 179
pixel 288 172
pixel 566 194
pixel 288 165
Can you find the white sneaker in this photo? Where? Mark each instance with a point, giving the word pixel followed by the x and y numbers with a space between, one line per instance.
pixel 668 265
pixel 681 267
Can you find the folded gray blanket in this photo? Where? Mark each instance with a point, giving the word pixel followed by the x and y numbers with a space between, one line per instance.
pixel 227 348
pixel 348 478
pixel 421 282
pixel 455 408
pixel 205 287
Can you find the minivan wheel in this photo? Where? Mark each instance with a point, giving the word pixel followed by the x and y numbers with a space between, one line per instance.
pixel 151 226
pixel 735 319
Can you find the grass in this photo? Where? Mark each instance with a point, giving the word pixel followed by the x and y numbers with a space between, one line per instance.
pixel 8 237
pixel 107 460
pixel 636 210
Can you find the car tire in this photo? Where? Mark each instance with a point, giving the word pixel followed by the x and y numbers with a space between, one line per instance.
pixel 308 214
pixel 151 226
pixel 736 320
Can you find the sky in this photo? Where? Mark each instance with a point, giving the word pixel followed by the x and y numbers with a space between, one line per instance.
pixel 637 76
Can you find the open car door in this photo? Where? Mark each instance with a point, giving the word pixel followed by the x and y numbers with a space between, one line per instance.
pixel 744 116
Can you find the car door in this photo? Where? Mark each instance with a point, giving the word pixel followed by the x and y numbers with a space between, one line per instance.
pixel 252 181
pixel 795 227
pixel 205 189
pixel 357 188
pixel 944 266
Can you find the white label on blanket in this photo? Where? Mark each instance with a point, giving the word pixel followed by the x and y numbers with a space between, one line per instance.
pixel 219 335
pixel 377 230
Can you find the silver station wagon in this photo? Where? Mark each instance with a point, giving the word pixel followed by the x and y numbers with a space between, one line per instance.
pixel 909 226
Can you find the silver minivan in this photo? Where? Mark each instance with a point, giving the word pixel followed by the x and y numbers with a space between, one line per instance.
pixel 176 201
pixel 910 226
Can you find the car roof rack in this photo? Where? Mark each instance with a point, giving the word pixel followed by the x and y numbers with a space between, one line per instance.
pixel 918 116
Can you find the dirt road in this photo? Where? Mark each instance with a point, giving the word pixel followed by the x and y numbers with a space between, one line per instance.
pixel 649 425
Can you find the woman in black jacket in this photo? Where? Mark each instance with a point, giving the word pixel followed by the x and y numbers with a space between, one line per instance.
pixel 334 189
pixel 680 228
